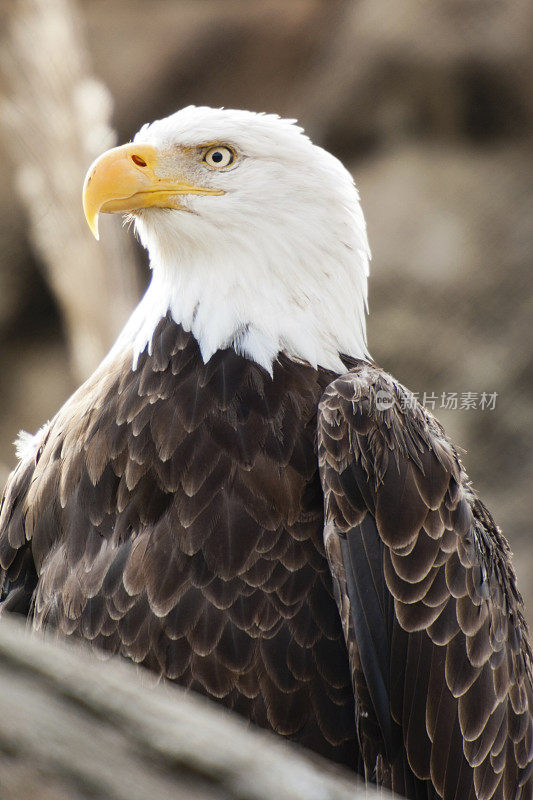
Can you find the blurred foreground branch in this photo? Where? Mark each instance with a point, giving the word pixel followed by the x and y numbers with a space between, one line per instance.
pixel 56 119
pixel 73 726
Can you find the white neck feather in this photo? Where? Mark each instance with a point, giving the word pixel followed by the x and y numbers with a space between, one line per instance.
pixel 261 298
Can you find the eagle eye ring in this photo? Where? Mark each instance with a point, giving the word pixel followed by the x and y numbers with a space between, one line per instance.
pixel 219 157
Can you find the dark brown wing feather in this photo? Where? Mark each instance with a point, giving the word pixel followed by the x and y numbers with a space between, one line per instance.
pixel 16 559
pixel 432 617
pixel 174 515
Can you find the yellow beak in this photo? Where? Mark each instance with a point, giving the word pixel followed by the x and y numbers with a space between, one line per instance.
pixel 125 179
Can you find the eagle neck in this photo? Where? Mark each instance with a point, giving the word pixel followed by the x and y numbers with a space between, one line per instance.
pixel 262 300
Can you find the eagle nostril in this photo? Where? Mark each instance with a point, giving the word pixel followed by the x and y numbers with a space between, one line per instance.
pixel 138 160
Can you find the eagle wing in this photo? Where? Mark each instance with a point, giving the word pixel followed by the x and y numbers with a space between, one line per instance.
pixel 433 622
pixel 18 577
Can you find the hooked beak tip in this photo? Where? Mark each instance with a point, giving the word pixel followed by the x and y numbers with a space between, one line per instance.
pixel 93 225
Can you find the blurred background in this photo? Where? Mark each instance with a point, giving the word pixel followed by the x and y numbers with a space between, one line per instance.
pixel 430 105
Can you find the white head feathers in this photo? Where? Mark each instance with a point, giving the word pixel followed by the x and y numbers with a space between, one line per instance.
pixel 278 263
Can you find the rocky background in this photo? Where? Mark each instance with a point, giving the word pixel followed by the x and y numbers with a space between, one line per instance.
pixel 429 104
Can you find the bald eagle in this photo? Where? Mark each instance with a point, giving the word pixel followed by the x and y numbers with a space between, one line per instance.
pixel 241 500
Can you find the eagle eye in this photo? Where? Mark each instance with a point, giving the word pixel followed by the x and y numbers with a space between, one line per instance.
pixel 219 157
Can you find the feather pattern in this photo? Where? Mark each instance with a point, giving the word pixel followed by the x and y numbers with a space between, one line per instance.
pixel 174 515
pixel 440 661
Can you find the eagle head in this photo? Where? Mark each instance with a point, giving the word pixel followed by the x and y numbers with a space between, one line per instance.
pixel 255 235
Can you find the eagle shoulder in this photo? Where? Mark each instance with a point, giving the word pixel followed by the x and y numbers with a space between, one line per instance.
pixel 427 594
pixel 49 467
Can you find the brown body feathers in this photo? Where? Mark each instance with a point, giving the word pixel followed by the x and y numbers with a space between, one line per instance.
pixel 175 514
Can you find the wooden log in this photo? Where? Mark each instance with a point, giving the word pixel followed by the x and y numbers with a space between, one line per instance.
pixel 73 726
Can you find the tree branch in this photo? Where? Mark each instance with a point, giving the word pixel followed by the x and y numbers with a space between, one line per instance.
pixel 56 120
pixel 74 726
